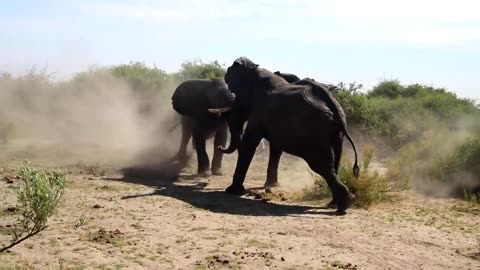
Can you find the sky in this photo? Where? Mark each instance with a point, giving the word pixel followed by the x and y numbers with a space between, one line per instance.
pixel 434 43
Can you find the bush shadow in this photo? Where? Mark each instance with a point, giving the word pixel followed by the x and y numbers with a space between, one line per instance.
pixel 165 178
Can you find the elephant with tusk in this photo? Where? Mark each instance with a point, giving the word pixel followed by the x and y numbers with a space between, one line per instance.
pixel 302 119
pixel 204 105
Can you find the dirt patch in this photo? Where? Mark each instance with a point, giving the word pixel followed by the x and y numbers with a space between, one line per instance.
pixel 146 219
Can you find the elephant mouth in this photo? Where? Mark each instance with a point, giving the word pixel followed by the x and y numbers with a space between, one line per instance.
pixel 220 110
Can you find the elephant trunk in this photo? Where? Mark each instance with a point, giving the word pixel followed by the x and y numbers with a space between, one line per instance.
pixel 235 124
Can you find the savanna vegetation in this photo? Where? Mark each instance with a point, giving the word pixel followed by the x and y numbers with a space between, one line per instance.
pixel 409 137
pixel 427 137
pixel 37 197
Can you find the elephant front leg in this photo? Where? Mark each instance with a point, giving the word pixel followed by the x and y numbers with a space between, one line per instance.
pixel 246 151
pixel 202 156
pixel 220 140
pixel 272 170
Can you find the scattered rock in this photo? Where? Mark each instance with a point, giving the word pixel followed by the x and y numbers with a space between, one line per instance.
pixel 96 206
pixel 282 259
pixel 104 236
pixel 10 179
pixel 11 209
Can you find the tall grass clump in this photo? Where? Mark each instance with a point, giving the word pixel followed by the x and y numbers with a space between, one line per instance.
pixel 461 167
pixel 38 197
pixel 369 188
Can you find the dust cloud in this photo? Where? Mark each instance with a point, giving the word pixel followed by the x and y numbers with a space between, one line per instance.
pixel 421 161
pixel 95 120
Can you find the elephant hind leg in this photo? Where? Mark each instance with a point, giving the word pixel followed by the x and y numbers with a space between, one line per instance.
pixel 220 140
pixel 187 129
pixel 337 148
pixel 272 170
pixel 199 138
pixel 325 167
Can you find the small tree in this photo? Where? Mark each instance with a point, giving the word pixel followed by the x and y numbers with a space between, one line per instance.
pixel 37 199
pixel 197 69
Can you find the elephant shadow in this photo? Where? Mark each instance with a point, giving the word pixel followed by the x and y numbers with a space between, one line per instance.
pixel 193 190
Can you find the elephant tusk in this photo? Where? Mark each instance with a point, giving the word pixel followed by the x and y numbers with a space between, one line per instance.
pixel 219 110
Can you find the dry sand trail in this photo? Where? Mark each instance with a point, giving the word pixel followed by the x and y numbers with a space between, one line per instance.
pixel 107 221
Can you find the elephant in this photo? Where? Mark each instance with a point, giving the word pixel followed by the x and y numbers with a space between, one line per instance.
pixel 289 77
pixel 192 99
pixel 272 174
pixel 292 78
pixel 295 118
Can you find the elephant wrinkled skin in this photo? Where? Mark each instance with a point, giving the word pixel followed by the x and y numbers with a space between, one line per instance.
pixel 295 118
pixel 194 100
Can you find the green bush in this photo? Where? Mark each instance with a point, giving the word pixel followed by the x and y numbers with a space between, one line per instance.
pixel 37 199
pixel 369 188
pixel 402 114
pixel 461 166
pixel 197 69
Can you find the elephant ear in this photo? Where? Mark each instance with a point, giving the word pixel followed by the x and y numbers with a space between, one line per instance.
pixel 219 95
pixel 245 62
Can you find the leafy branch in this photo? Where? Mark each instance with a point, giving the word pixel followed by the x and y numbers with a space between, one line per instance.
pixel 37 198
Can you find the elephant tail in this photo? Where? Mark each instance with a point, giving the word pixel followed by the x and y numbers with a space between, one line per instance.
pixel 356 169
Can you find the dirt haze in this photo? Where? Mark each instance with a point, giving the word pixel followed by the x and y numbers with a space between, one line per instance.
pixel 96 119
pixel 127 207
pixel 110 221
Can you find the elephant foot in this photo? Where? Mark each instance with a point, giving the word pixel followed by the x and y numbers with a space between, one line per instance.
pixel 271 184
pixel 236 190
pixel 204 174
pixel 332 204
pixel 217 172
pixel 344 204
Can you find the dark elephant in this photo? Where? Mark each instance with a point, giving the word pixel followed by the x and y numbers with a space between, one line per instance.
pixel 332 103
pixel 294 118
pixel 193 99
pixel 292 78
pixel 289 77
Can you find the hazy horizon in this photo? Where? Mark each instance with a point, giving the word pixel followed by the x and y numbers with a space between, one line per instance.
pixel 428 42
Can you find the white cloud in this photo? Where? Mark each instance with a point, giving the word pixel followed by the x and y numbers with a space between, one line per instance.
pixel 409 22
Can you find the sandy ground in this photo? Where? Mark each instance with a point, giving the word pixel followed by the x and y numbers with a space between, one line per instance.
pixel 108 221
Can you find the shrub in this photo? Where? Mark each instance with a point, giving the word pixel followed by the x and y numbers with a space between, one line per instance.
pixel 403 114
pixel 197 69
pixel 37 199
pixel 389 88
pixel 461 167
pixel 369 188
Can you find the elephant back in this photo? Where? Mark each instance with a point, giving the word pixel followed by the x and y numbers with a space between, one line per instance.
pixel 194 97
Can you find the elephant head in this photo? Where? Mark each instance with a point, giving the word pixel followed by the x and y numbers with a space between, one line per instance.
pixel 221 99
pixel 242 77
pixel 198 97
pixel 236 79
